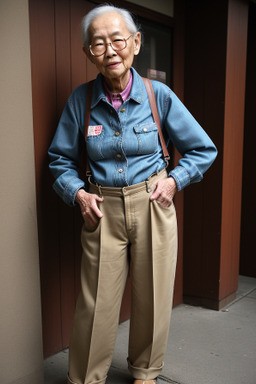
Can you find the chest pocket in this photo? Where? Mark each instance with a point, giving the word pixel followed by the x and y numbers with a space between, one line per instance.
pixel 94 147
pixel 147 138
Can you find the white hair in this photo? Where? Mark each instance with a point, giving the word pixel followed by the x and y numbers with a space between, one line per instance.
pixel 101 10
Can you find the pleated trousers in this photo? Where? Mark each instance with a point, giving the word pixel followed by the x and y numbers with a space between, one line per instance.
pixel 130 220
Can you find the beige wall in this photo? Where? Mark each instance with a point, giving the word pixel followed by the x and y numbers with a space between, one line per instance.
pixel 162 6
pixel 20 318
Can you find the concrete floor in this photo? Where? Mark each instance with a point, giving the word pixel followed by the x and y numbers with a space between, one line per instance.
pixel 204 346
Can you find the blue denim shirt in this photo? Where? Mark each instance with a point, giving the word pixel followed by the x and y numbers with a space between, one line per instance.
pixel 124 147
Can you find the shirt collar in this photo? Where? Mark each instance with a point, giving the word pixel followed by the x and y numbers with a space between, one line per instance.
pixel 136 91
pixel 122 96
pixel 137 87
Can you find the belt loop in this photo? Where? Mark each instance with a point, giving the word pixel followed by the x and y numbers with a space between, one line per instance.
pixel 100 191
pixel 148 189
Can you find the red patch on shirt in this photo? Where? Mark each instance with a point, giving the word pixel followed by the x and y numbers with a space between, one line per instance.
pixel 94 130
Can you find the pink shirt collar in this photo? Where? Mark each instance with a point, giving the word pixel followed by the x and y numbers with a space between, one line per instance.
pixel 117 99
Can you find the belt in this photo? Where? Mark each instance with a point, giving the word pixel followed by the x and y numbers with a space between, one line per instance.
pixel 129 190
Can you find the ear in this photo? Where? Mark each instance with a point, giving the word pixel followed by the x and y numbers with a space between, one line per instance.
pixel 88 54
pixel 137 43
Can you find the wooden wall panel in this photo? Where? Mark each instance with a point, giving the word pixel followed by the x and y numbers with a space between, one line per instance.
pixel 81 70
pixel 66 215
pixel 215 73
pixel 204 97
pixel 233 146
pixel 42 28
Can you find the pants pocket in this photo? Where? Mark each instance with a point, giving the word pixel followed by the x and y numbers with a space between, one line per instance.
pixel 91 228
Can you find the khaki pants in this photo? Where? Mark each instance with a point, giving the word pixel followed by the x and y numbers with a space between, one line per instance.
pixel 129 217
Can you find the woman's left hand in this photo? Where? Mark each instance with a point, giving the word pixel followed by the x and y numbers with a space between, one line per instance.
pixel 164 192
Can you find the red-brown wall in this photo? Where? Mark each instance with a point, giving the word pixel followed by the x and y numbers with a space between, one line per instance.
pixel 215 60
pixel 58 66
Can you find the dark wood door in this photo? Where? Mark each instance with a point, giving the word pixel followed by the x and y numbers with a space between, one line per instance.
pixel 58 66
pixel 248 227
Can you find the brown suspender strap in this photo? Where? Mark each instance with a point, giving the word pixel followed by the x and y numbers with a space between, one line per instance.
pixel 87 121
pixel 88 108
pixel 153 106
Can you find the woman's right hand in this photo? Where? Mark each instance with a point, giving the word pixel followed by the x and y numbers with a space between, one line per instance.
pixel 89 207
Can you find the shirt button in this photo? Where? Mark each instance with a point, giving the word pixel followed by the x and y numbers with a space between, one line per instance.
pixel 118 155
pixel 122 110
pixel 120 170
pixel 117 133
pixel 145 129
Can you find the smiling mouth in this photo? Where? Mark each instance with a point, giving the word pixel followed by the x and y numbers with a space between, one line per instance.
pixel 113 65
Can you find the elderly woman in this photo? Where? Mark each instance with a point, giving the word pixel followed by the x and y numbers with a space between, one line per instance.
pixel 129 204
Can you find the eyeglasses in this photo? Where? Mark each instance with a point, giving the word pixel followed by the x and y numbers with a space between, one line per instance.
pixel 99 49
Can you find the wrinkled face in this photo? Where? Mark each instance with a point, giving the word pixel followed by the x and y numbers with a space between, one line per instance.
pixel 105 29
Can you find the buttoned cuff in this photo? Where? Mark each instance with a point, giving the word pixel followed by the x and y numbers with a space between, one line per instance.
pixel 181 177
pixel 69 191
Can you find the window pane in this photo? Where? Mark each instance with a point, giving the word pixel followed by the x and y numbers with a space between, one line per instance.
pixel 155 58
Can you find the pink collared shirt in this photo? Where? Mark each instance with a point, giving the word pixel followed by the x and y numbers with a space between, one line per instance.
pixel 117 99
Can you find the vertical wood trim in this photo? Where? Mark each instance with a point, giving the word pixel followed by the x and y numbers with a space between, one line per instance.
pixel 66 221
pixel 233 145
pixel 78 9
